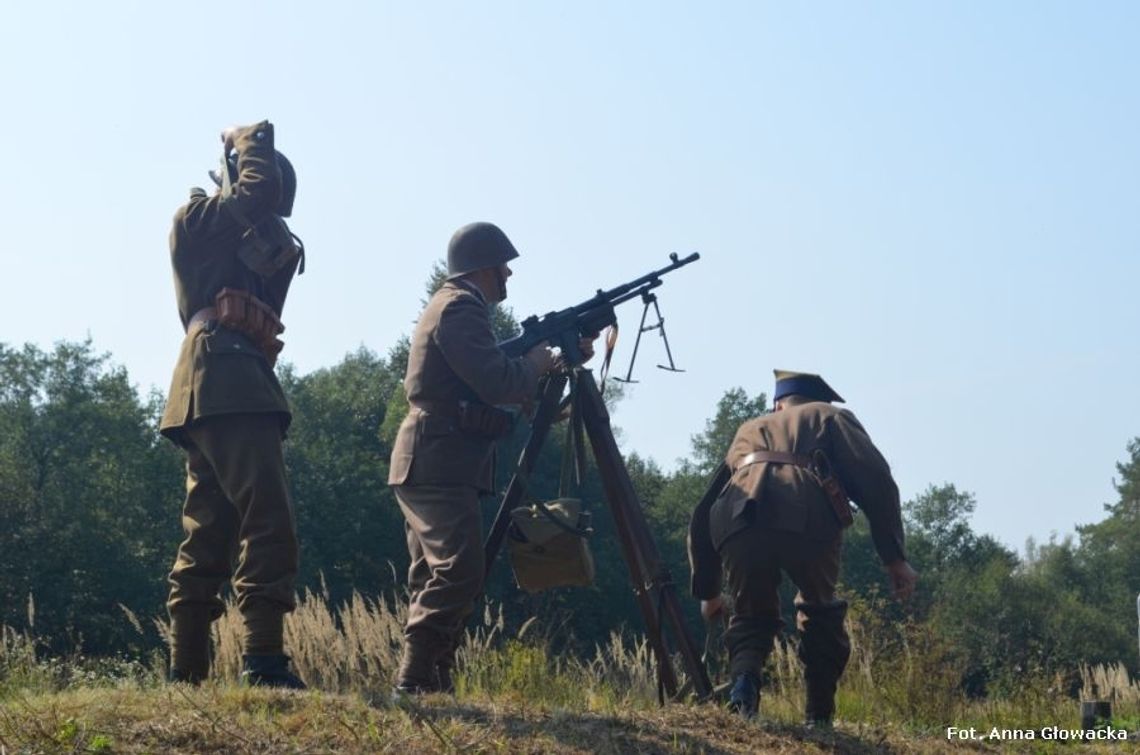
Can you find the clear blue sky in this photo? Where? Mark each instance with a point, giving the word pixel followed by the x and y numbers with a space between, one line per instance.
pixel 934 205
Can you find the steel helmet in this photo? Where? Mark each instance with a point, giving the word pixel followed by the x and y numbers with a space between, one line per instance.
pixel 476 246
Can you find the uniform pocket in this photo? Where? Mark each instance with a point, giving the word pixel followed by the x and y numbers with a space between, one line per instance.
pixel 224 341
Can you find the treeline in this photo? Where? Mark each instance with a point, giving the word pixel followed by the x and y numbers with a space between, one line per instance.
pixel 90 497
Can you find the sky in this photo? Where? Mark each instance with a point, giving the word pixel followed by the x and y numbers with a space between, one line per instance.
pixel 933 205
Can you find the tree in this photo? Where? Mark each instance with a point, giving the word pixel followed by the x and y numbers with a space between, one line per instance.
pixel 89 495
pixel 1110 553
pixel 348 524
pixel 939 528
pixel 733 409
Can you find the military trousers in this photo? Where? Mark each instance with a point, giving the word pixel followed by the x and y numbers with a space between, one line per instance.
pixel 754 561
pixel 444 528
pixel 237 518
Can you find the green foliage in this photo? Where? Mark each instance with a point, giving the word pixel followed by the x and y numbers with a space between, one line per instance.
pixel 1128 487
pixel 87 495
pixel 939 522
pixel 348 523
pixel 710 447
pixel 1110 551
pixel 90 494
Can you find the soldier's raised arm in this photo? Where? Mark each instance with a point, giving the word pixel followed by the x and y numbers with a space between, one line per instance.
pixel 258 180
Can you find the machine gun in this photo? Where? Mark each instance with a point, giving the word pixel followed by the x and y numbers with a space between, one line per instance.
pixel 563 329
pixel 653 586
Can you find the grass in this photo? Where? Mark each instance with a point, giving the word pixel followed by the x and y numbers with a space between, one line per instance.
pixel 514 695
pixel 224 718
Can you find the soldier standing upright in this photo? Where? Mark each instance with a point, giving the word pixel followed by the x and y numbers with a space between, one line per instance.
pixel 784 510
pixel 442 458
pixel 233 260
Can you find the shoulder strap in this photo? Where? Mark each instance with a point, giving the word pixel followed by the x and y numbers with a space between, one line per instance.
pixel 573 469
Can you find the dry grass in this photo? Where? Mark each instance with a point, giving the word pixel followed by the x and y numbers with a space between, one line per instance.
pixel 514 695
pixel 220 718
pixel 1110 683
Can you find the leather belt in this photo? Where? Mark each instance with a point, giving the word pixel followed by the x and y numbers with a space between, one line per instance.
pixel 201 317
pixel 776 457
pixel 820 467
pixel 442 408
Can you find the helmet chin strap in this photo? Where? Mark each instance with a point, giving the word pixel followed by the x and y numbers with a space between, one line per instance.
pixel 502 281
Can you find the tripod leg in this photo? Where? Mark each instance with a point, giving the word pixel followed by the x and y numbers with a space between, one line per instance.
pixel 544 416
pixel 656 593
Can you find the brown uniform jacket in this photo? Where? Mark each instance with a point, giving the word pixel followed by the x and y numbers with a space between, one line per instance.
pixel 789 498
pixel 220 371
pixel 454 357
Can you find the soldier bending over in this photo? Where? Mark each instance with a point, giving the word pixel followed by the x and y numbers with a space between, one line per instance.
pixel 784 510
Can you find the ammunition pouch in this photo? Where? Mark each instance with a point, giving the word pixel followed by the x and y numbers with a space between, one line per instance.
pixel 242 311
pixel 548 545
pixel 267 247
pixel 270 247
pixel 483 421
pixel 472 418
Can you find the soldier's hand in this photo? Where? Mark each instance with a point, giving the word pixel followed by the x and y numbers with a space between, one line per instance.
pixel 903 578
pixel 710 609
pixel 543 358
pixel 586 346
pixel 229 136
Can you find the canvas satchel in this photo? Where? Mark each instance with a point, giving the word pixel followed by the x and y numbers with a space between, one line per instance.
pixel 548 545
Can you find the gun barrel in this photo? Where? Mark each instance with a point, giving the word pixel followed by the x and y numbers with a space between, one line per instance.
pixel 639 291
pixel 536 330
pixel 620 294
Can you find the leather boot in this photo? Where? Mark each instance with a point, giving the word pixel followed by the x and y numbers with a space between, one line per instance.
pixel 824 650
pixel 744 697
pixel 418 674
pixel 189 646
pixel 819 703
pixel 749 640
pixel 269 671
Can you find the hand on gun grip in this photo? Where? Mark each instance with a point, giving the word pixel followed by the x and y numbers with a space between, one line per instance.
pixel 586 346
pixel 543 358
pixel 712 608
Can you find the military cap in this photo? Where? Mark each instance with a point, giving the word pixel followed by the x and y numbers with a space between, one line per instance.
pixel 803 384
pixel 476 246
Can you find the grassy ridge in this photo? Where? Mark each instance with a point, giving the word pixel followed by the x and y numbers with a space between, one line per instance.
pixel 514 695
pixel 224 718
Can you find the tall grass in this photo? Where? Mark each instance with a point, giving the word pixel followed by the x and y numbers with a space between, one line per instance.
pixel 1110 682
pixel 899 672
pixel 356 648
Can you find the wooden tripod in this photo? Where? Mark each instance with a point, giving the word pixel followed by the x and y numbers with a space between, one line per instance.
pixel 653 586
